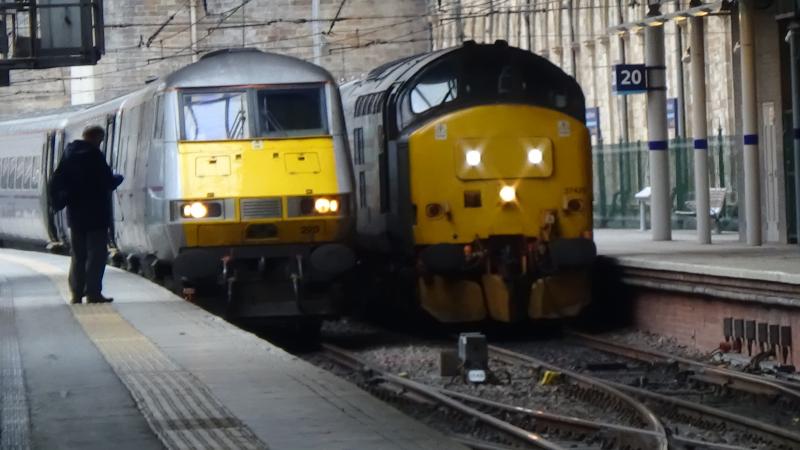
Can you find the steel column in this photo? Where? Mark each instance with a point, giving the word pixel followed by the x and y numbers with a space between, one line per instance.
pixel 752 175
pixel 660 199
pixel 700 129
pixel 193 28
pixel 623 99
pixel 794 46
pixel 316 31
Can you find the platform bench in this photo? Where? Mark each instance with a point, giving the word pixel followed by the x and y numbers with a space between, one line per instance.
pixel 716 206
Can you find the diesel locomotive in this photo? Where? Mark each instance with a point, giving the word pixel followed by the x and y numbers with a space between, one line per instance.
pixel 236 170
pixel 474 184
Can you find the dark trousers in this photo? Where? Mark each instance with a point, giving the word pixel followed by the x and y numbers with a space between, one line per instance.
pixel 89 254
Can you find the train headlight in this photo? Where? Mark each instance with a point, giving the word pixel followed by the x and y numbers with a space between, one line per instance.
pixel 508 194
pixel 197 209
pixel 473 158
pixel 327 205
pixel 322 205
pixel 535 156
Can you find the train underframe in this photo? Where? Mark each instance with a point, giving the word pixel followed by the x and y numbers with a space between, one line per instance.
pixel 282 282
pixel 506 279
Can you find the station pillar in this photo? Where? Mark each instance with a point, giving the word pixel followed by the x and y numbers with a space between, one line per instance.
pixel 794 48
pixel 660 199
pixel 752 176
pixel 700 127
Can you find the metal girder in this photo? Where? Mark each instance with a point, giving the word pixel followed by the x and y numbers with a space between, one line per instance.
pixel 50 33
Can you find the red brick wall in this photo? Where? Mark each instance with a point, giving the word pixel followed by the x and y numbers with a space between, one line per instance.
pixel 697 321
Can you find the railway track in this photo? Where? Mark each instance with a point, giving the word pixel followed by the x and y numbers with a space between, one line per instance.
pixel 528 427
pixel 786 391
pixel 619 413
pixel 680 411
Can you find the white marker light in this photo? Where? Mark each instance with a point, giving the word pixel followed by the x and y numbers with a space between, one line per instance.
pixel 473 157
pixel 334 205
pixel 508 194
pixel 535 156
pixel 323 205
pixel 197 210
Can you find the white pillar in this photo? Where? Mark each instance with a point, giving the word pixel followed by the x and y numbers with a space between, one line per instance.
pixel 752 177
pixel 82 85
pixel 660 200
pixel 700 129
pixel 794 50
pixel 316 30
pixel 193 28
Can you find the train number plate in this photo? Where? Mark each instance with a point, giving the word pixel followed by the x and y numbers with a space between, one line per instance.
pixel 310 229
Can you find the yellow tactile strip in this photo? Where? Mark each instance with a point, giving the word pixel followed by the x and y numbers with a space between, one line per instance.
pixel 179 408
pixel 14 417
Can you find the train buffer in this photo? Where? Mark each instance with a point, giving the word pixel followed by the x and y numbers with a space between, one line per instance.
pixel 153 371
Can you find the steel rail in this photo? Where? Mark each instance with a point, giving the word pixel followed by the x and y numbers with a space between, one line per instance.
pixel 651 421
pixel 475 444
pixel 775 433
pixel 348 359
pixel 620 432
pixel 622 436
pixel 741 381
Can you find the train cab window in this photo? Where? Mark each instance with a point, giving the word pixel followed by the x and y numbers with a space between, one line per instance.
pixel 437 87
pixel 291 112
pixel 212 116
pixel 158 126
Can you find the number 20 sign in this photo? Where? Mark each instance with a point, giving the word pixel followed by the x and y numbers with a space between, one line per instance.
pixel 629 79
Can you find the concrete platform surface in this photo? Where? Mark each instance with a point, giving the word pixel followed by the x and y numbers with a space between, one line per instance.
pixel 153 371
pixel 726 257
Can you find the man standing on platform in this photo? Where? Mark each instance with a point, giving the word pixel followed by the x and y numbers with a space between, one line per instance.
pixel 83 182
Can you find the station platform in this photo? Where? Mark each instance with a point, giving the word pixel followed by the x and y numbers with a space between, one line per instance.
pixel 725 257
pixel 703 295
pixel 153 371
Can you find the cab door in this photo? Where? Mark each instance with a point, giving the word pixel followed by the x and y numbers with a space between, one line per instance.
pixel 49 163
pixel 109 150
pixel 57 221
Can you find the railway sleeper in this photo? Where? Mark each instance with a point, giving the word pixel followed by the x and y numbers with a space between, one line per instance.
pixel 701 421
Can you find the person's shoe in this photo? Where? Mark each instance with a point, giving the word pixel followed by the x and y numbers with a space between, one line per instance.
pixel 76 300
pixel 99 299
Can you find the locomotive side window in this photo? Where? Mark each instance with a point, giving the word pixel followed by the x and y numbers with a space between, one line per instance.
pixel 158 128
pixel 358 145
pixel 19 172
pixel 437 87
pixel 36 172
pixel 291 112
pixel 214 116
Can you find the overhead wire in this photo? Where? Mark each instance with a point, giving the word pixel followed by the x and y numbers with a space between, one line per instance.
pixel 495 8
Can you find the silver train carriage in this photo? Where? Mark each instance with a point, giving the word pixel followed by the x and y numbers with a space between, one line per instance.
pixel 236 170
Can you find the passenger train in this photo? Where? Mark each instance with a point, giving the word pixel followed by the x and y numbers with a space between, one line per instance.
pixel 236 169
pixel 474 184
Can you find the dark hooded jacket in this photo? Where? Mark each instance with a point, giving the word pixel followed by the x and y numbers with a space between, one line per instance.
pixel 84 182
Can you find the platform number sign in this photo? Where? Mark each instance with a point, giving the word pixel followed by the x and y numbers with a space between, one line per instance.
pixel 629 79
pixel 593 120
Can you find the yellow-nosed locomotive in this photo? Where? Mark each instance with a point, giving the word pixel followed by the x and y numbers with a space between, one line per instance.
pixel 236 169
pixel 474 183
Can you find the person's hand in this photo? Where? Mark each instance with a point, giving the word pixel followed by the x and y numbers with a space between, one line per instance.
pixel 118 179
